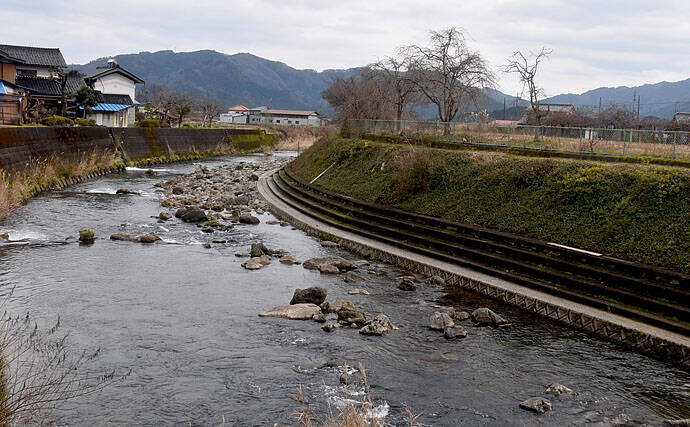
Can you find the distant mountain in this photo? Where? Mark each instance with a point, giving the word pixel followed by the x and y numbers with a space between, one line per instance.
pixel 247 79
pixel 232 79
pixel 660 99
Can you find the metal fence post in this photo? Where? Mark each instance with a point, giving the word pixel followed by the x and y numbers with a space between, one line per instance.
pixel 674 144
pixel 479 132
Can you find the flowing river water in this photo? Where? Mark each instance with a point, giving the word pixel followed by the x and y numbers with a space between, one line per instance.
pixel 183 318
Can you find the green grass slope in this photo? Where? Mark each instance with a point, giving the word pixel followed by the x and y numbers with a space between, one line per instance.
pixel 632 211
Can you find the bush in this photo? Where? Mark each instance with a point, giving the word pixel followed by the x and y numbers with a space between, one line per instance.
pixel 188 125
pixel 85 122
pixel 56 120
pixel 148 123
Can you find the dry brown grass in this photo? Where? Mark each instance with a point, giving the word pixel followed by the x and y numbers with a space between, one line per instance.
pixel 351 414
pixel 18 188
pixel 291 138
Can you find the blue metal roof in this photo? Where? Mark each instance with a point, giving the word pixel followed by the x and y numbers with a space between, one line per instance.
pixel 3 91
pixel 109 107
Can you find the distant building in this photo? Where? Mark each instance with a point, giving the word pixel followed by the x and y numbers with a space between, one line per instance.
pixel 115 88
pixel 545 110
pixel 28 77
pixel 681 118
pixel 269 116
pixel 238 114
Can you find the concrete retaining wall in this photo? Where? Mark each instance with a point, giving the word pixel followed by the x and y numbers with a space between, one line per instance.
pixel 20 146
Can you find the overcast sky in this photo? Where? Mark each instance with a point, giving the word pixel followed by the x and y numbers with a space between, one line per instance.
pixel 595 43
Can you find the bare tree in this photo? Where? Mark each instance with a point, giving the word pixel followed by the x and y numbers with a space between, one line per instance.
pixel 62 77
pixel 210 108
pixel 181 104
pixel 526 68
pixel 448 73
pixel 403 91
pixel 362 96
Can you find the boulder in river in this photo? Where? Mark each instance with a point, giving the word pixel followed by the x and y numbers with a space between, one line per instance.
pixel 125 237
pixel 407 284
pixel 358 291
pixel 329 269
pixel 379 325
pixel 536 404
pixel 86 235
pixel 341 264
pixel 461 315
pixel 335 306
pixel 294 311
pixel 192 214
pixel 439 321
pixel 164 216
pixel 148 238
pixel 289 259
pixel 315 295
pixel 484 316
pixel 126 191
pixel 249 219
pixel 455 332
pixel 437 280
pixel 557 388
pixel 256 263
pixel 177 190
pixel 259 249
pixel 330 326
pixel 352 277
pixel 351 315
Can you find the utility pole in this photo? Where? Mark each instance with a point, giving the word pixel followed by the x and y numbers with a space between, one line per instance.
pixel 638 108
pixel 600 105
pixel 504 108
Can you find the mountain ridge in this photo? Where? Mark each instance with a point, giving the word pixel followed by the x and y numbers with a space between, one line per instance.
pixel 244 78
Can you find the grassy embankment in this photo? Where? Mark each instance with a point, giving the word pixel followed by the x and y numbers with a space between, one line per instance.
pixel 633 211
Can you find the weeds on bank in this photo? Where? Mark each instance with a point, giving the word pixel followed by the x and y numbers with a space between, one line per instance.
pixel 38 370
pixel 16 189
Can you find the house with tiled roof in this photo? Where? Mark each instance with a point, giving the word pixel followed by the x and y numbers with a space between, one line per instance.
pixel 29 75
pixel 115 90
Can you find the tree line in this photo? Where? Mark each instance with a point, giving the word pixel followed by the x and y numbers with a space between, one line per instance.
pixel 449 78
pixel 165 104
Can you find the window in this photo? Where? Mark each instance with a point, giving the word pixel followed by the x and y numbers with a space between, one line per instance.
pixel 27 73
pixel 296 122
pixel 277 121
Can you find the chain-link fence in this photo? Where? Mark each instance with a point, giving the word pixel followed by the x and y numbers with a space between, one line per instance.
pixel 620 142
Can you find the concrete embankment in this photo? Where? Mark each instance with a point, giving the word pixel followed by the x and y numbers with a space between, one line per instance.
pixel 33 159
pixel 22 146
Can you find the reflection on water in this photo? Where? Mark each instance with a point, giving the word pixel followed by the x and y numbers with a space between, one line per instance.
pixel 183 317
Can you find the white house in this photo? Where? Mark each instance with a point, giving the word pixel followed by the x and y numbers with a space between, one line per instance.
pixel 115 90
pixel 238 114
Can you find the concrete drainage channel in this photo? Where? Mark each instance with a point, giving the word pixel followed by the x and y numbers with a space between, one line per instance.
pixel 620 300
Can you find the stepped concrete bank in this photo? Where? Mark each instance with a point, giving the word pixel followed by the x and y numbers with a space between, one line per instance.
pixel 21 147
pixel 661 343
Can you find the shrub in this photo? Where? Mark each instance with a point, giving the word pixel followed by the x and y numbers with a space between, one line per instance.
pixel 149 123
pixel 85 122
pixel 56 120
pixel 189 126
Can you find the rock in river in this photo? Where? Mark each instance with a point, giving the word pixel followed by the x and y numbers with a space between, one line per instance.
pixel 329 269
pixel 454 332
pixel 341 264
pixel 350 315
pixel 358 291
pixel 330 326
pixel 536 404
pixel 484 316
pixel 380 325
pixel 294 311
pixel 315 295
pixel 125 191
pixel 439 321
pixel 192 214
pixel 557 388
pixel 407 284
pixel 289 259
pixel 125 237
pixel 86 235
pixel 248 219
pixel 259 249
pixel 147 238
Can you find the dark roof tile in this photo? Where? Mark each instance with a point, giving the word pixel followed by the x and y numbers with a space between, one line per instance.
pixel 44 86
pixel 35 55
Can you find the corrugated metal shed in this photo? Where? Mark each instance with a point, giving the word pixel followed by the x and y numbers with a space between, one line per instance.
pixel 110 107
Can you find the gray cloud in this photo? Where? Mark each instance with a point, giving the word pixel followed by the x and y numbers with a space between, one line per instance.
pixel 595 43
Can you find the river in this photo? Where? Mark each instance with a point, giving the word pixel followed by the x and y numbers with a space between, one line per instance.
pixel 183 318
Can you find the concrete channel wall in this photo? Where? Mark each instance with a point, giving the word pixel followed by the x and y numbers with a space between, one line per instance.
pixel 22 146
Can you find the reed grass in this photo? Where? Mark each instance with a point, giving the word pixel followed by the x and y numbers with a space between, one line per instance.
pixel 16 189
